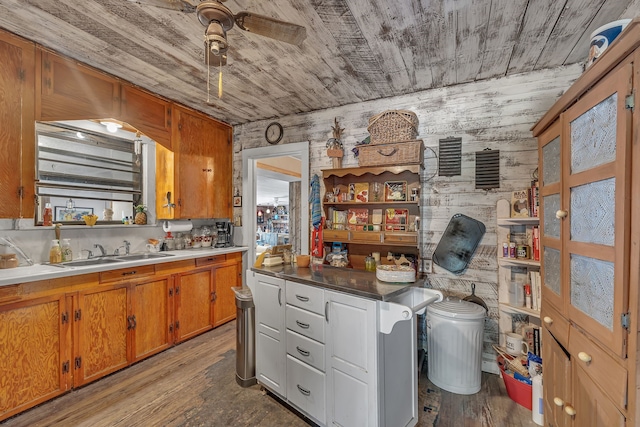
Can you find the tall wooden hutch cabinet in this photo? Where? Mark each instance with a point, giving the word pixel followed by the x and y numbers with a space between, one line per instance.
pixel 589 151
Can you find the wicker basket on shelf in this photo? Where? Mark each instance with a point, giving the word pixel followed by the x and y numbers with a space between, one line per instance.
pixel 393 126
pixel 402 153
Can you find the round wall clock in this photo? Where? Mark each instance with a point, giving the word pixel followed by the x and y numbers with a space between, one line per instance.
pixel 274 133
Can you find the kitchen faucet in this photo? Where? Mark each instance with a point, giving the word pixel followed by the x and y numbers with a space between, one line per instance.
pixel 102 251
pixel 126 247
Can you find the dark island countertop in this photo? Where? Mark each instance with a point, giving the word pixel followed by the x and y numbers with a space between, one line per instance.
pixel 356 282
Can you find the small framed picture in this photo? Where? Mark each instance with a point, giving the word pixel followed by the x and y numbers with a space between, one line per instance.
pixel 237 201
pixel 63 213
pixel 395 191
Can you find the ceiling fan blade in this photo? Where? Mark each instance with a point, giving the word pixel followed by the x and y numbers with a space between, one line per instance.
pixel 180 5
pixel 272 28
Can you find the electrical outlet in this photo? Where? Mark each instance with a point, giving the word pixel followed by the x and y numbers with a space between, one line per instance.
pixel 427 266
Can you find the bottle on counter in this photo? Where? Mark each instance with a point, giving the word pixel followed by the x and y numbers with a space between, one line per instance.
pixel 47 215
pixel 67 252
pixel 55 253
pixel 370 263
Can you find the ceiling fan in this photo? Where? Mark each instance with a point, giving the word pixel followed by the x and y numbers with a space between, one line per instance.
pixel 218 19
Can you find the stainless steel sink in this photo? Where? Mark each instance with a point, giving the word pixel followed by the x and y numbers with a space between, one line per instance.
pixel 91 261
pixel 136 257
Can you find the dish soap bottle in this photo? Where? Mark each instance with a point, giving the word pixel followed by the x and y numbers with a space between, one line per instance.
pixel 47 215
pixel 55 253
pixel 67 252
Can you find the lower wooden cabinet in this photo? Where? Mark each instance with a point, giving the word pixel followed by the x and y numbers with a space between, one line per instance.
pixel 60 334
pixel 100 328
pixel 35 344
pixel 151 321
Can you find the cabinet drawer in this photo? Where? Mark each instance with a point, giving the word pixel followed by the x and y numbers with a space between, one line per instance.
pixel 305 323
pixel 306 297
pixel 603 369
pixel 210 260
pixel 335 235
pixel 305 349
pixel 409 238
pixel 127 273
pixel 366 236
pixel 306 388
pixel 555 323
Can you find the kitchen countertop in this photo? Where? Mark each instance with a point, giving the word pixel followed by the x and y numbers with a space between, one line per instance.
pixel 355 282
pixel 11 276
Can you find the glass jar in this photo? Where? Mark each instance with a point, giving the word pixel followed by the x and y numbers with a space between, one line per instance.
pixel 207 239
pixel 196 241
pixel 179 241
pixel 370 263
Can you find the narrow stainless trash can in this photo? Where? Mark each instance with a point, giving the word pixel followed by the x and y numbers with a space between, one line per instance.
pixel 245 337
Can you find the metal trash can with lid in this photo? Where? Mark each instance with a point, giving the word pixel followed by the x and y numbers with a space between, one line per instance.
pixel 245 337
pixel 455 331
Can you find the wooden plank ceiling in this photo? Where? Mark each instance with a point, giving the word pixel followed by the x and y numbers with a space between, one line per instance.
pixel 356 50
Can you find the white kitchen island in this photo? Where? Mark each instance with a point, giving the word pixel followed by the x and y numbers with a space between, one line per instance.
pixel 339 345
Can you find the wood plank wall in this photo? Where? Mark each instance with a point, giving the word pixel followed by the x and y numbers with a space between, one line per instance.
pixel 494 114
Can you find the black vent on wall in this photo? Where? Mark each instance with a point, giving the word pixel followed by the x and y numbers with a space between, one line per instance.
pixel 488 169
pixel 450 154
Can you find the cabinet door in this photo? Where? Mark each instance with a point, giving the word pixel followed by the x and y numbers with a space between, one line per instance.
pixel 550 202
pixel 17 117
pixel 268 297
pixel 557 389
pixel 147 113
pixel 204 166
pixel 596 161
pixel 592 407
pixel 151 317
pixel 35 345
pixel 352 389
pixel 224 306
pixel 100 325
pixel 70 91
pixel 193 304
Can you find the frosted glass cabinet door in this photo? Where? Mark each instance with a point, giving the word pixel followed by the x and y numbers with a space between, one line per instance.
pixel 594 190
pixel 550 225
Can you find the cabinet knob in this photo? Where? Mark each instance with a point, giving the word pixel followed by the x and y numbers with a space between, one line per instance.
pixel 548 320
pixel 406 314
pixel 559 402
pixel 569 410
pixel 584 357
pixel 561 214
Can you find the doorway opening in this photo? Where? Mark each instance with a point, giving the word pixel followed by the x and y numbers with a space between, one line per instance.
pixel 263 165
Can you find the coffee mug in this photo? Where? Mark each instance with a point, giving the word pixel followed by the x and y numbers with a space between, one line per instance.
pixel 515 344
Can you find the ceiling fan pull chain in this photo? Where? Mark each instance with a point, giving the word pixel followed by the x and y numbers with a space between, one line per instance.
pixel 220 81
pixel 208 72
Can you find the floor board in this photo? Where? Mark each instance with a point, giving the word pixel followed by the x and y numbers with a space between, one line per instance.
pixel 168 389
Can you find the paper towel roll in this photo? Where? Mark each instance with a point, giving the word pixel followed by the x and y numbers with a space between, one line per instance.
pixel 177 226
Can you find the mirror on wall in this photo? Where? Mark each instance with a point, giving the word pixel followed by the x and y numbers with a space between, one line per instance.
pixel 90 167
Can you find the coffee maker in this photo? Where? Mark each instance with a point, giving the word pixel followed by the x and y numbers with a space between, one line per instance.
pixel 225 234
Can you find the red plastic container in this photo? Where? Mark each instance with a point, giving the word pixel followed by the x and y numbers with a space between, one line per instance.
pixel 518 391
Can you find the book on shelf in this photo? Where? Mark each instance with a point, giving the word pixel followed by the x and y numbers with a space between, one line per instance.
pixel 527 335
pixel 520 203
pixel 396 219
pixel 534 280
pixel 360 191
pixel 339 220
pixel 535 243
pixel 534 199
pixel 536 342
pixel 357 219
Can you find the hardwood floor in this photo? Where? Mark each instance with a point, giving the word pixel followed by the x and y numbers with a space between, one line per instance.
pixel 174 389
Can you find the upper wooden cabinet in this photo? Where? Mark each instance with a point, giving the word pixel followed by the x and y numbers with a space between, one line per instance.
pixel 198 171
pixel 18 131
pixel 68 90
pixel 147 113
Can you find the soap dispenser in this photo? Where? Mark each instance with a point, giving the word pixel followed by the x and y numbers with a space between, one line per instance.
pixel 55 253
pixel 67 252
